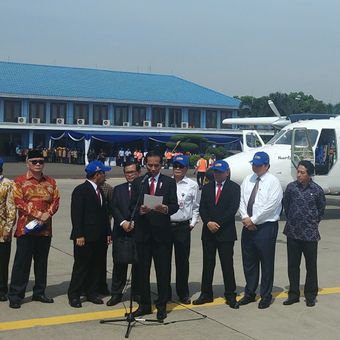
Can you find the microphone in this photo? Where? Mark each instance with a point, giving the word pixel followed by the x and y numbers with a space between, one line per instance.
pixel 146 176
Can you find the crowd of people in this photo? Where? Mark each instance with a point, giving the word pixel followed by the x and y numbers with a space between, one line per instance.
pixel 158 230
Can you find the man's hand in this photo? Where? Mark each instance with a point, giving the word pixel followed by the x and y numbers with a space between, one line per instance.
pixel 191 227
pixel 44 217
pixel 213 226
pixel 144 209
pixel 80 241
pixel 163 209
pixel 7 235
pixel 109 240
pixel 127 226
pixel 248 224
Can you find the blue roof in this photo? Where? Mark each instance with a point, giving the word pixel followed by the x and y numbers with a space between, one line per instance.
pixel 17 79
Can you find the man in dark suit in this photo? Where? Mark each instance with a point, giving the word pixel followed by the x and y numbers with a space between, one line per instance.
pixel 121 213
pixel 91 233
pixel 219 203
pixel 153 233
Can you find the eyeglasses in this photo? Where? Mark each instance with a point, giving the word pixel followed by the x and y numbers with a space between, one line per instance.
pixel 37 161
pixel 178 166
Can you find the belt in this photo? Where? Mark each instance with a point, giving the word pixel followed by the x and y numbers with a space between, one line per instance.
pixel 174 224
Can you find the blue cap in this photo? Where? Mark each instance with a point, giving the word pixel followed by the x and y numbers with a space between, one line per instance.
pixel 96 166
pixel 260 158
pixel 181 159
pixel 221 166
pixel 1 163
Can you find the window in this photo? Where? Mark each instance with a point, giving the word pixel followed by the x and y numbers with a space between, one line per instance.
pixel 175 118
pixel 325 152
pixel 58 110
pixel 80 111
pixel 121 115
pixel 285 137
pixel 194 118
pixel 100 112
pixel 158 116
pixel 12 110
pixel 138 116
pixel 37 110
pixel 225 115
pixel 211 119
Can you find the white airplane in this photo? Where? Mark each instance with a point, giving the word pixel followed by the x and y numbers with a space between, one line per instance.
pixel 314 140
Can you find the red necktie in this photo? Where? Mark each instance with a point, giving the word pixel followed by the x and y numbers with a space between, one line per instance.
pixel 99 196
pixel 152 186
pixel 218 194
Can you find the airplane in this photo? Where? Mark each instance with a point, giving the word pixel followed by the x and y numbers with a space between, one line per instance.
pixel 315 140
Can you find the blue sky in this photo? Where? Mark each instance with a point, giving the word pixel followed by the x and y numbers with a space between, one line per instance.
pixel 240 47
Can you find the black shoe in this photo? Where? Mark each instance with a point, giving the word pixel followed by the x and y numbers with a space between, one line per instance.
pixel 245 300
pixel 15 304
pixel 75 303
pixel 161 313
pixel 290 301
pixel 95 299
pixel 42 298
pixel 114 300
pixel 202 300
pixel 231 301
pixel 263 304
pixel 185 300
pixel 142 310
pixel 310 302
pixel 3 297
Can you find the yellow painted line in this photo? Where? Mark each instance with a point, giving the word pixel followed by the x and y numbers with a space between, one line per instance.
pixel 119 313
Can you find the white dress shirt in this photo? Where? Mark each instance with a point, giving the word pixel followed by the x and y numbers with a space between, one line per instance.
pixel 188 201
pixel 268 201
pixel 95 186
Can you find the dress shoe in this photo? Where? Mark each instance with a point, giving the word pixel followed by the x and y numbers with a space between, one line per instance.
pixel 290 301
pixel 42 298
pixel 202 300
pixel 263 304
pixel 14 304
pixel 310 302
pixel 185 300
pixel 114 300
pixel 95 299
pixel 161 313
pixel 231 301
pixel 75 303
pixel 142 310
pixel 245 300
pixel 3 297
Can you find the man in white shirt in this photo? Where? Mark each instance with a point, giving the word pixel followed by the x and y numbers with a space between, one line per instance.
pixel 182 222
pixel 260 208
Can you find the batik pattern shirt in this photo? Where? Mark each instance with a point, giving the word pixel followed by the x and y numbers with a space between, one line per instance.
pixel 7 207
pixel 32 198
pixel 304 207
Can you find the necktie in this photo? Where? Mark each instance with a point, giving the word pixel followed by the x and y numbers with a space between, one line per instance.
pixel 129 186
pixel 252 198
pixel 99 196
pixel 218 194
pixel 152 186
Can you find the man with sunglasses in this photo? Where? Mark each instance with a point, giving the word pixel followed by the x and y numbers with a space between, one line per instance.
pixel 36 197
pixel 182 222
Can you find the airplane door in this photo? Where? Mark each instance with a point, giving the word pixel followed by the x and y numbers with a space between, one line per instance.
pixel 301 148
pixel 251 140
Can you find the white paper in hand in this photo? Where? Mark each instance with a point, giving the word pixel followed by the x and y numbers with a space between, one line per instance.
pixel 152 201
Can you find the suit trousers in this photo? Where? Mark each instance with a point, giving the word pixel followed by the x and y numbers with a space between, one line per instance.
pixel 28 248
pixel 295 249
pixel 5 252
pixel 258 248
pixel 226 252
pixel 180 239
pixel 87 268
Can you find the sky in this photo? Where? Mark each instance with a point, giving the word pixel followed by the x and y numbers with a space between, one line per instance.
pixel 239 47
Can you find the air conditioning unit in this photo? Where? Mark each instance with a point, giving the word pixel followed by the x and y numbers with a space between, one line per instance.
pixel 35 120
pixel 146 123
pixel 60 121
pixel 159 125
pixel 126 124
pixel 22 120
pixel 106 122
pixel 80 121
pixel 184 125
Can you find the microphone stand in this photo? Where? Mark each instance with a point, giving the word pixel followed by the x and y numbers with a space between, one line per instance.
pixel 129 317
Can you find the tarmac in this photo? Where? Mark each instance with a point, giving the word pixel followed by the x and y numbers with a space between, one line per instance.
pixel 214 320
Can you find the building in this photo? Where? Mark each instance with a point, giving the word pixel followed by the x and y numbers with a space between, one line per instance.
pixel 40 104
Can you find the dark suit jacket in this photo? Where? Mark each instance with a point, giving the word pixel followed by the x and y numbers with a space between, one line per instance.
pixel 223 213
pixel 154 224
pixel 89 218
pixel 120 208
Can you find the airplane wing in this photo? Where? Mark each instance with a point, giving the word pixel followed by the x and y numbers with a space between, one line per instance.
pixel 255 120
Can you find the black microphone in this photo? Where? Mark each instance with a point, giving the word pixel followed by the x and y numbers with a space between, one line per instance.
pixel 146 176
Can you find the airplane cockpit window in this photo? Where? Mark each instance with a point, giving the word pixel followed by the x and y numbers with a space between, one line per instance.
pixel 252 140
pixel 284 137
pixel 325 152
